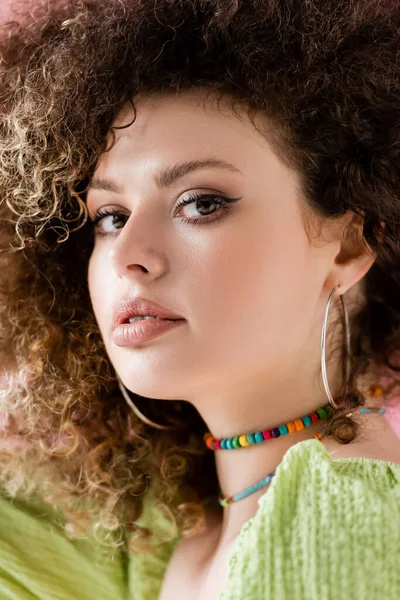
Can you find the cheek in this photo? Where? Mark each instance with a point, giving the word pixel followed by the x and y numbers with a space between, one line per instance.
pixel 254 298
pixel 92 278
pixel 99 285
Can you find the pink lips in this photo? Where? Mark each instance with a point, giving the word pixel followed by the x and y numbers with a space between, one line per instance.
pixel 136 306
pixel 131 334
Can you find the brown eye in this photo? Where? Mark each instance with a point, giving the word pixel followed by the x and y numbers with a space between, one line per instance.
pixel 203 204
pixel 109 220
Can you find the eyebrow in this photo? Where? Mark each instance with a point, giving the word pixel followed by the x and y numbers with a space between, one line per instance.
pixel 167 176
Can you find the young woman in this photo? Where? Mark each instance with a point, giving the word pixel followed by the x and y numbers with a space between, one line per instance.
pixel 200 327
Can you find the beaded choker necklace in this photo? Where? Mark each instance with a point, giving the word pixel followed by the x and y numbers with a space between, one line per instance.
pixel 258 437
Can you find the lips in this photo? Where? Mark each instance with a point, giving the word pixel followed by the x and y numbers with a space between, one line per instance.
pixel 134 307
pixel 135 334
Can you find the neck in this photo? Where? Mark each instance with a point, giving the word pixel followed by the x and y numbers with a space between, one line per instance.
pixel 240 468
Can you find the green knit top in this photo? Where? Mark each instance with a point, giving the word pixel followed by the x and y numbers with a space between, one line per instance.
pixel 326 530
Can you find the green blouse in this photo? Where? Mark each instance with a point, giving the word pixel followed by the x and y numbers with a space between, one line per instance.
pixel 326 530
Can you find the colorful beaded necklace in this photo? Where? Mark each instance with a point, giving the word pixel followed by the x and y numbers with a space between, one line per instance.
pixel 267 434
pixel 261 436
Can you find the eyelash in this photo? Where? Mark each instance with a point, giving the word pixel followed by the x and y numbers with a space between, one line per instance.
pixel 222 200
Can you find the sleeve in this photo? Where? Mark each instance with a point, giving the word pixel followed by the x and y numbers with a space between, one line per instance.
pixel 38 562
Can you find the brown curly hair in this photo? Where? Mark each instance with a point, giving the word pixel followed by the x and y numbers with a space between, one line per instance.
pixel 325 72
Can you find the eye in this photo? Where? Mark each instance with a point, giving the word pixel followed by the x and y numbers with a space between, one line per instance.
pixel 102 216
pixel 203 203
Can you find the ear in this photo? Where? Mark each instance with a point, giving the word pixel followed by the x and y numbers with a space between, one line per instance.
pixel 354 258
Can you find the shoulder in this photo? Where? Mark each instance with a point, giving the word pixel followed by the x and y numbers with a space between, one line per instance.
pixel 376 440
pixel 322 523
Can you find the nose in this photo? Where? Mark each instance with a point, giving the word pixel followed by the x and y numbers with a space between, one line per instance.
pixel 138 248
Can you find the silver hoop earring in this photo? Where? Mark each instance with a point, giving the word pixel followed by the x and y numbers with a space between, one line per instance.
pixel 323 346
pixel 137 412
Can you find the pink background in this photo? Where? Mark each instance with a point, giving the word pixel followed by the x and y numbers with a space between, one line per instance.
pixel 5 8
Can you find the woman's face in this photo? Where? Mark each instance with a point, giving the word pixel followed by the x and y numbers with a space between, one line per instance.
pixel 247 280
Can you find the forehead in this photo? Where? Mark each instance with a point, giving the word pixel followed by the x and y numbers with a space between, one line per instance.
pixel 190 125
pixel 197 106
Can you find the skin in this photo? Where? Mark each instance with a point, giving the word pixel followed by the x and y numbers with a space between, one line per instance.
pixel 252 287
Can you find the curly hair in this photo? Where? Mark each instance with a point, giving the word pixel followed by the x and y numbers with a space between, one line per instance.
pixel 325 73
